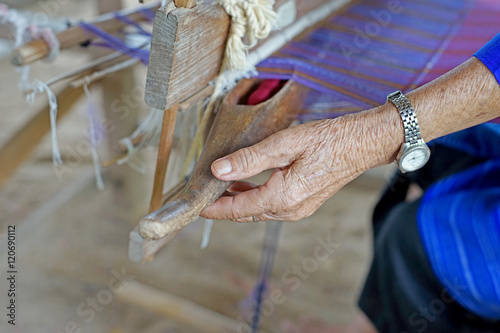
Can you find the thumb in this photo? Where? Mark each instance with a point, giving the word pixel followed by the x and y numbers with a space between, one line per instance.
pixel 247 162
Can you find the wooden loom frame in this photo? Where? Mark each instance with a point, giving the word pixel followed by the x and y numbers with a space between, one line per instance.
pixel 157 301
pixel 174 83
pixel 167 84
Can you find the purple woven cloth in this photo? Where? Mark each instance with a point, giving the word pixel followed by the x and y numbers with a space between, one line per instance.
pixel 354 59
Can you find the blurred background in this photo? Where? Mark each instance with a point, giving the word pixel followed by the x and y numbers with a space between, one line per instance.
pixel 74 274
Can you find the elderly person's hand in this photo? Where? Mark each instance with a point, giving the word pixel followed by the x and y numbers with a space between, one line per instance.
pixel 311 162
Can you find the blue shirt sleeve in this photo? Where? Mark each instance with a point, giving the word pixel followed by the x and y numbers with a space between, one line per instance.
pixel 490 56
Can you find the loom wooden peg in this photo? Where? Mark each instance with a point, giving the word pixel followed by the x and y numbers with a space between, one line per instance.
pixel 166 141
pixel 142 250
pixel 185 3
pixel 235 126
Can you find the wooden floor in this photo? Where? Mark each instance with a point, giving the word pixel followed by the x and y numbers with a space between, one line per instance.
pixel 70 250
pixel 72 243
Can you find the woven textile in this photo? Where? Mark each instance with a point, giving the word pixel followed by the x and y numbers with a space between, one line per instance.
pixel 371 48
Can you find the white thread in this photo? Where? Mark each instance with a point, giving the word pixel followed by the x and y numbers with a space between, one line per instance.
pixel 24 78
pixel 135 163
pixel 207 230
pixel 39 87
pixel 148 131
pixel 93 144
pixel 112 69
pixel 131 150
pixel 19 25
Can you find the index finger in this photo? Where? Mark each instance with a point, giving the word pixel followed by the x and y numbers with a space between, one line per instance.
pixel 253 202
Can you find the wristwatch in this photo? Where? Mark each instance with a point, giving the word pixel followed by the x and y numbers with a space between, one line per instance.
pixel 415 152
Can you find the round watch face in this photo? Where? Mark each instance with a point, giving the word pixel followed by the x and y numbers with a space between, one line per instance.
pixel 414 159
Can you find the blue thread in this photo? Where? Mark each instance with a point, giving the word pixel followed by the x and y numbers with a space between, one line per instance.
pixel 115 43
pixel 268 255
pixel 127 20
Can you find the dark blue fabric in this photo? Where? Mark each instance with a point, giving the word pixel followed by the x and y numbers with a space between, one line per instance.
pixel 459 222
pixel 490 56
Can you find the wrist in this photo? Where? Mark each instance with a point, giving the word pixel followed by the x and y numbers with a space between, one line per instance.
pixel 383 134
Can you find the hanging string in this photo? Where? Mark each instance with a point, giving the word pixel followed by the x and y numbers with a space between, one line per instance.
pixel 268 255
pixel 207 230
pixel 24 78
pixel 22 32
pixel 93 136
pixel 147 132
pixel 39 87
pixel 110 41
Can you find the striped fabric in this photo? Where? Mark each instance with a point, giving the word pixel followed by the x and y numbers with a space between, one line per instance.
pixel 371 48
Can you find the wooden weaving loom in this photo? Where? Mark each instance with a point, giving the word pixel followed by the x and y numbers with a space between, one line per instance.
pixel 179 79
pixel 412 44
pixel 186 53
pixel 188 45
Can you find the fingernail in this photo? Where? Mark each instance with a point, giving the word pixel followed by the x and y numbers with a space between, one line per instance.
pixel 223 167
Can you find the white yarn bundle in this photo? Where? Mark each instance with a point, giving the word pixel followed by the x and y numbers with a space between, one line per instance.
pixel 251 18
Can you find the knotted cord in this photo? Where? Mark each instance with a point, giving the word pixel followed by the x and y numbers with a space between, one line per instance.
pixel 39 87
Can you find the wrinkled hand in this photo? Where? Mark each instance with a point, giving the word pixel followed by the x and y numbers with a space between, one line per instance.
pixel 311 161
